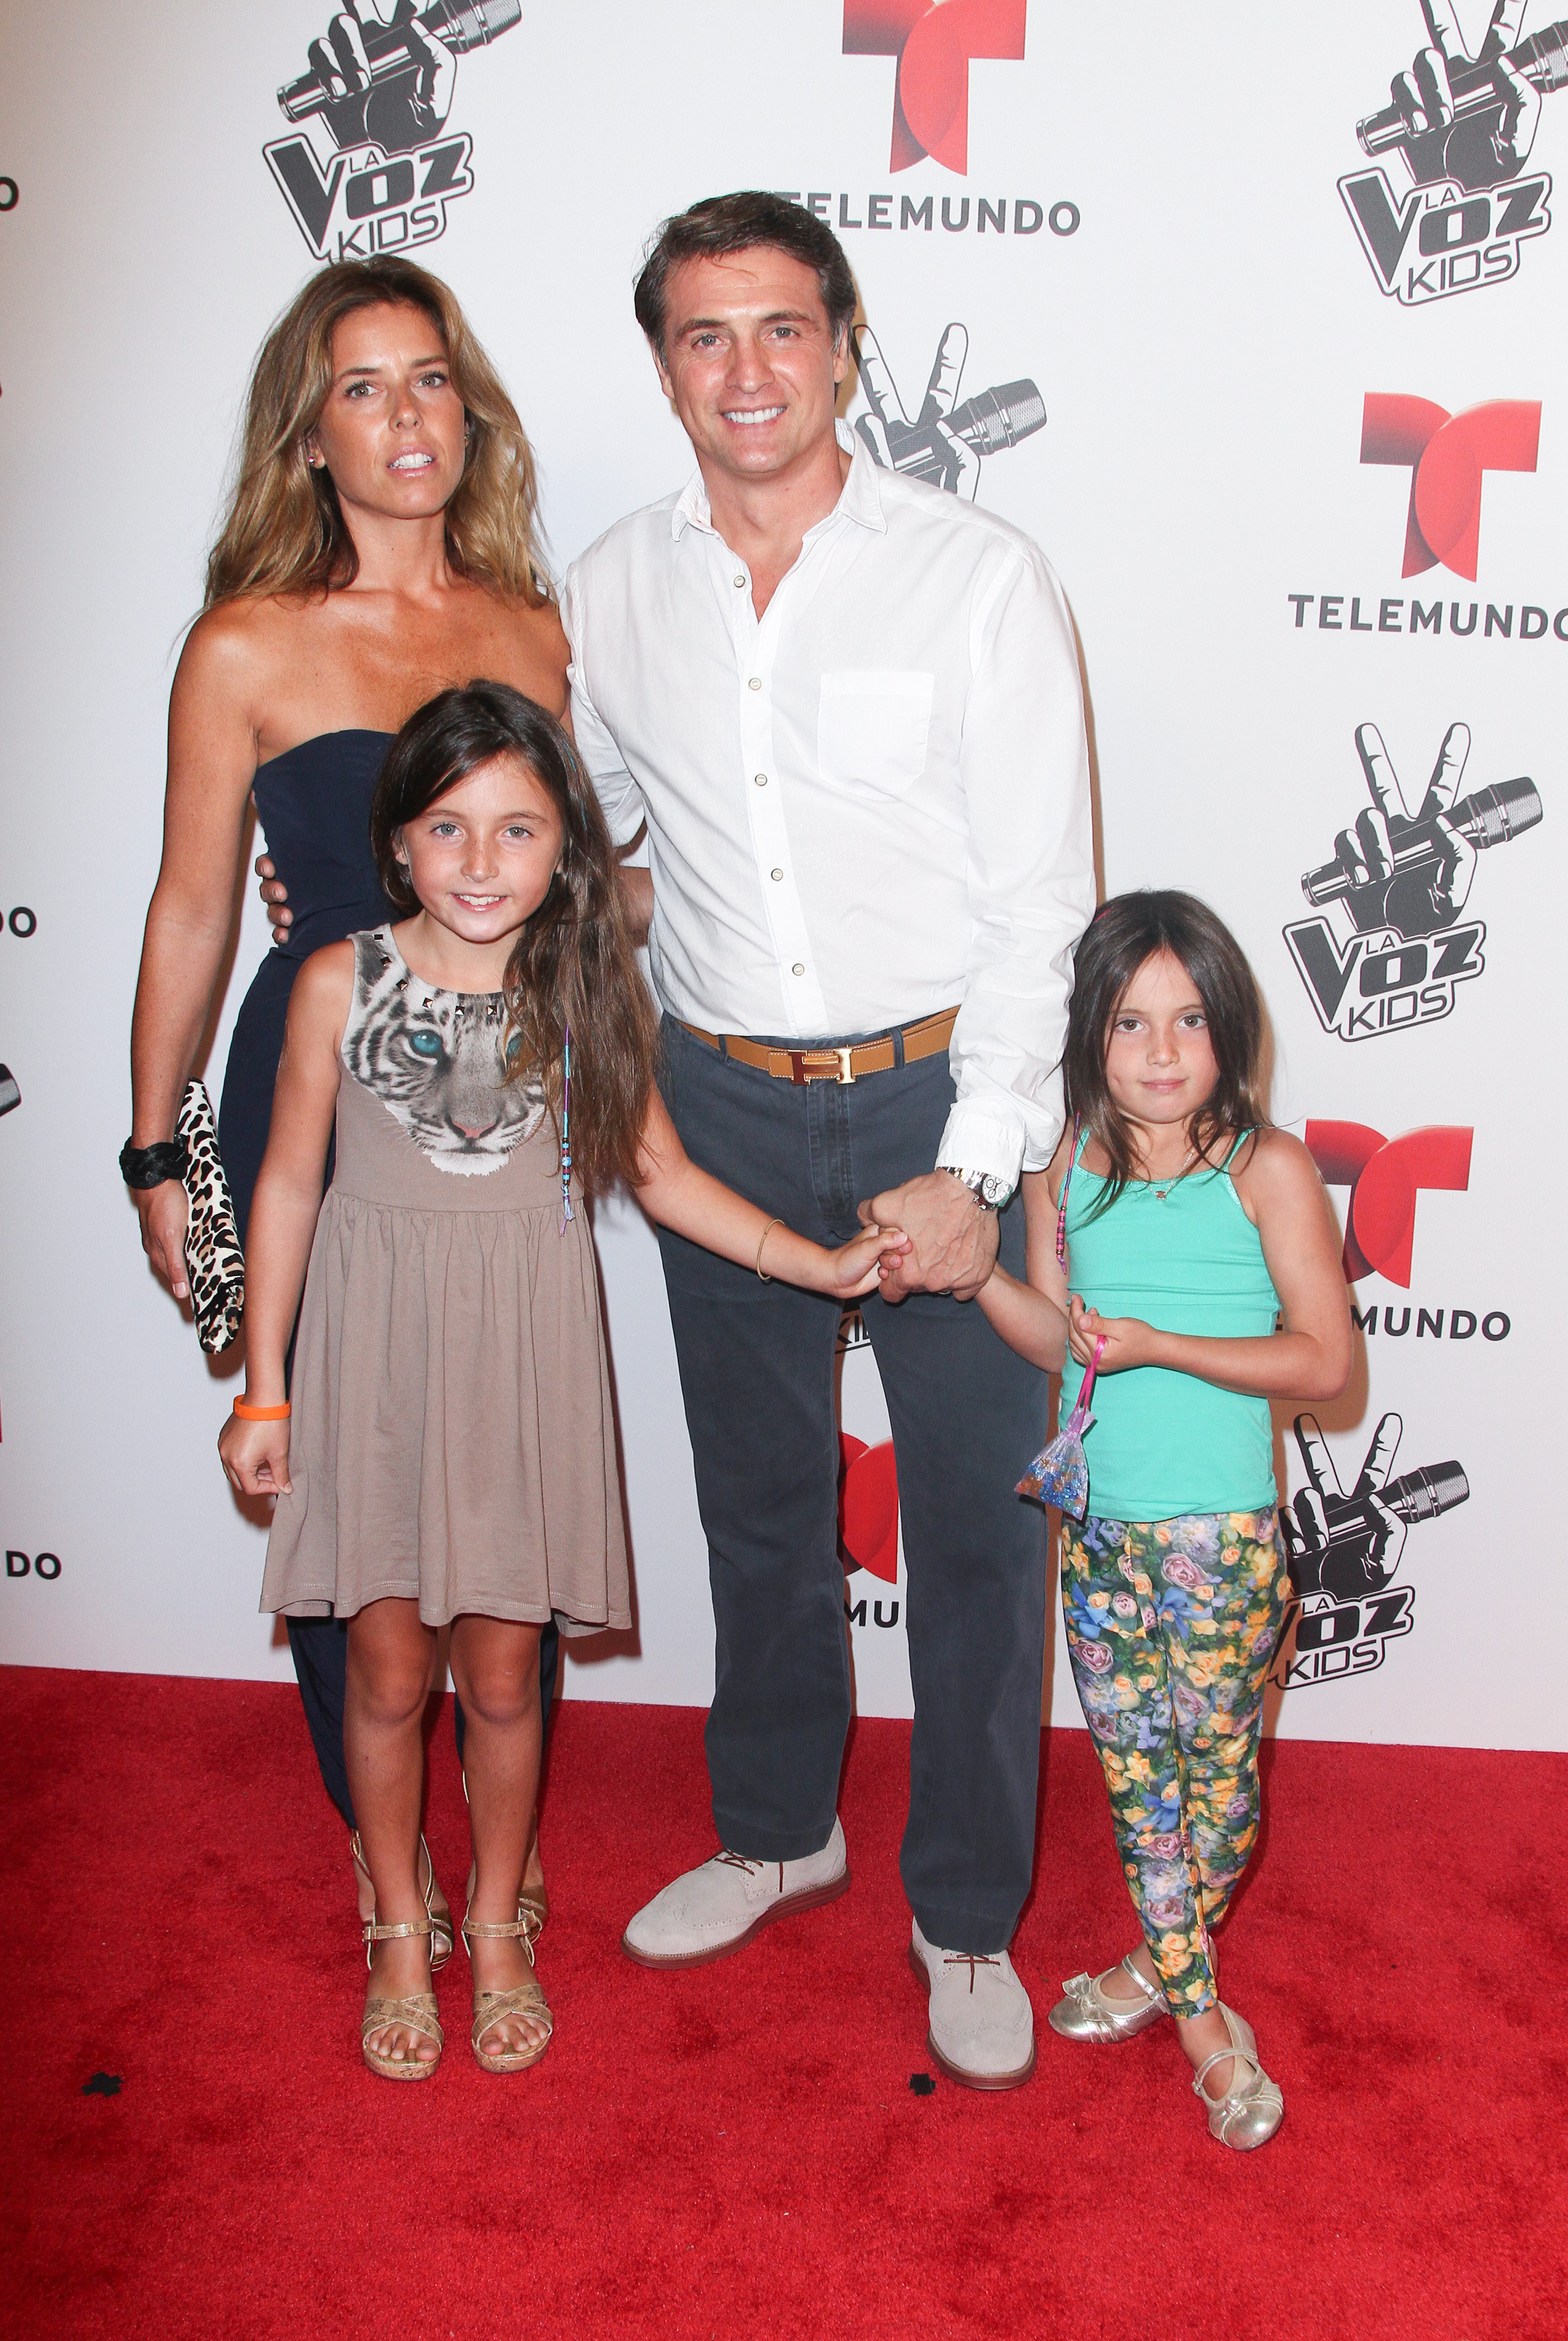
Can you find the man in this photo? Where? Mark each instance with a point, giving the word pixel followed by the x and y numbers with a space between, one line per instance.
pixel 848 709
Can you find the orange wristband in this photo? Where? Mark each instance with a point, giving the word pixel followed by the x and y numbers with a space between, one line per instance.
pixel 248 1413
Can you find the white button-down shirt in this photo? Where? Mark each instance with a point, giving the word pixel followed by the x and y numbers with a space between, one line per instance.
pixel 867 805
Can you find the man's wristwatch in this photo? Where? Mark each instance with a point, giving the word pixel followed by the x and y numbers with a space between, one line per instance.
pixel 988 1191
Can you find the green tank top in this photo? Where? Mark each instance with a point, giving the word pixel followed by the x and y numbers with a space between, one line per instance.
pixel 1165 1444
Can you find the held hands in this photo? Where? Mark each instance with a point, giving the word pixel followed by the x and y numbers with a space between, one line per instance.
pixel 949 1242
pixel 858 1266
pixel 255 1456
pixel 1129 1340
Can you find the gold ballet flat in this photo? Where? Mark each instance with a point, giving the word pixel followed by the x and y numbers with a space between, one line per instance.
pixel 1253 2108
pixel 416 2009
pixel 1085 2013
pixel 491 2007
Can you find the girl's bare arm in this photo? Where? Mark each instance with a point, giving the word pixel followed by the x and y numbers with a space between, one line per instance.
pixel 1032 1318
pixel 287 1205
pixel 676 1193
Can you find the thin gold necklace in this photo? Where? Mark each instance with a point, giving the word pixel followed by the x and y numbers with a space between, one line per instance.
pixel 1160 1193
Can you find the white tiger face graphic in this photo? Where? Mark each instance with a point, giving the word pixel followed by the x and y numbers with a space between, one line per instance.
pixel 435 1064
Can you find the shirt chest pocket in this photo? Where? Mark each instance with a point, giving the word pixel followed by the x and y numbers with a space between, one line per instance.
pixel 873 728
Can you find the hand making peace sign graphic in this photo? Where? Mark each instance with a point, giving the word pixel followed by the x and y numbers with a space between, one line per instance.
pixel 923 444
pixel 1410 871
pixel 383 75
pixel 1446 137
pixel 944 443
pixel 1346 1544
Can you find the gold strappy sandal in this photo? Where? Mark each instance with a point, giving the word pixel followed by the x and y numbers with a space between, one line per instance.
pixel 416 2009
pixel 532 1901
pixel 490 2008
pixel 439 1913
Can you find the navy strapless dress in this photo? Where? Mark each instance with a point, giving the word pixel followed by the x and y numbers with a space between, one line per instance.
pixel 314 805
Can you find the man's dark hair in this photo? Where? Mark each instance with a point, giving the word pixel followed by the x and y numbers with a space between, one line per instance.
pixel 721 225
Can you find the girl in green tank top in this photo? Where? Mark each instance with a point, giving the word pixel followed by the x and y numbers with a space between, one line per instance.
pixel 1186 1252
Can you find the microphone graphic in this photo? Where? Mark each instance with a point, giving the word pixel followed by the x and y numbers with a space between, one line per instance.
pixel 1488 817
pixel 1422 1495
pixel 1543 60
pixel 995 419
pixel 1352 1564
pixel 989 421
pixel 458 25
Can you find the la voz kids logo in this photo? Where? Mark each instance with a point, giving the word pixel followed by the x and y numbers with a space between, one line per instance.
pixel 1343 1546
pixel 1464 121
pixel 1400 877
pixel 374 169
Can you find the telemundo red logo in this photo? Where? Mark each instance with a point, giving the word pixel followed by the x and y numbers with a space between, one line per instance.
pixel 934 42
pixel 1384 1176
pixel 869 1507
pixel 1448 456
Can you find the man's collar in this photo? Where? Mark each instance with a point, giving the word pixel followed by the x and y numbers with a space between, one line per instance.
pixel 860 499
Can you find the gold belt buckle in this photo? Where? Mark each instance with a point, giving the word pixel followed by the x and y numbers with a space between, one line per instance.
pixel 801 1059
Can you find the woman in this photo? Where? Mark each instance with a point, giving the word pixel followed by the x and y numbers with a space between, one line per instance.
pixel 379 544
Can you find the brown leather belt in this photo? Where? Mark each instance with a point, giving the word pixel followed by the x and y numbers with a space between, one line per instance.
pixel 803 1065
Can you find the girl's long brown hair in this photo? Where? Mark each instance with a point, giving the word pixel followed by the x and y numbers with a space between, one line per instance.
pixel 1126 931
pixel 284 530
pixel 573 963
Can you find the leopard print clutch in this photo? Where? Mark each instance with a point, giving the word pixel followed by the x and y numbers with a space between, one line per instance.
pixel 213 1254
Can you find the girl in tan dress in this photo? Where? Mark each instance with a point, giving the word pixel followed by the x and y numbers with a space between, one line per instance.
pixel 449 1458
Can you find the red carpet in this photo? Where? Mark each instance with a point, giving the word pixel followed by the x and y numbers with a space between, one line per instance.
pixel 737 2151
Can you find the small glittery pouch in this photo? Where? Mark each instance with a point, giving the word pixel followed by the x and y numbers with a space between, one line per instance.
pixel 1059 1474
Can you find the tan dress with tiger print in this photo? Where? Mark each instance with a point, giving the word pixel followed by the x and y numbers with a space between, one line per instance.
pixel 452 1440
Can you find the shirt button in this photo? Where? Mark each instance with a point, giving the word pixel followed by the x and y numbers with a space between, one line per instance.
pixel 755 683
pixel 775 875
pixel 796 969
pixel 738 583
pixel 760 781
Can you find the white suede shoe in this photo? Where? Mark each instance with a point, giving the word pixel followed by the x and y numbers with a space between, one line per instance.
pixel 709 1912
pixel 982 2026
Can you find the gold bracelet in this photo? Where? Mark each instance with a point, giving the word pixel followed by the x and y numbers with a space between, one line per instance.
pixel 761 1241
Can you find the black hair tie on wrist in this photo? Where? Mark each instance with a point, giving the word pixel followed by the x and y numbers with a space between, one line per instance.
pixel 142 1167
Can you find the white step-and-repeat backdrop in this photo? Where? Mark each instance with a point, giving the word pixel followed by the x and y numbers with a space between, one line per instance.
pixel 1279 387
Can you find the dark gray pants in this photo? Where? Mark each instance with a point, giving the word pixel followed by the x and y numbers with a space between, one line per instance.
pixel 757 1376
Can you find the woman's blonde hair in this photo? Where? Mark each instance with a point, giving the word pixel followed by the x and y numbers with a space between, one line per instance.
pixel 284 530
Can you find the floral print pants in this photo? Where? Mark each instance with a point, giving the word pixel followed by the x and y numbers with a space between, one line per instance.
pixel 1171 1626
